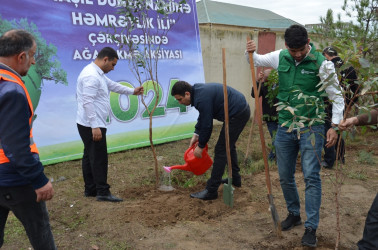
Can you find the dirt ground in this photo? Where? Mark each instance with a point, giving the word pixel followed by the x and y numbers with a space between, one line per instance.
pixel 153 219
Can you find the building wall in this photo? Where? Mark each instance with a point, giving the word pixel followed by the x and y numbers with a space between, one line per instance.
pixel 233 39
pixel 214 37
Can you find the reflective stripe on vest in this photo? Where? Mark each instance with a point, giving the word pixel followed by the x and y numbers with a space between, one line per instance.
pixel 6 75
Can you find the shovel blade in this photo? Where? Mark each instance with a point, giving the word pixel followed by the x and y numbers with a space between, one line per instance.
pixel 275 217
pixel 228 194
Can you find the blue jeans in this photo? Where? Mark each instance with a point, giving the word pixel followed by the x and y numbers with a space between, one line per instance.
pixel 287 147
pixel 33 215
pixel 272 128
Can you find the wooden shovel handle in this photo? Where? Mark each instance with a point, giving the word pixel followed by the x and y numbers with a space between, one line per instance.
pixel 226 118
pixel 259 121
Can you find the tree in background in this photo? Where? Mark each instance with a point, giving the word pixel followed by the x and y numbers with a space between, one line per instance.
pixel 47 66
pixel 356 43
pixel 144 38
pixel 363 31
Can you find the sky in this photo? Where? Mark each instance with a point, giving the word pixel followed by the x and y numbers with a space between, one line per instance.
pixel 303 12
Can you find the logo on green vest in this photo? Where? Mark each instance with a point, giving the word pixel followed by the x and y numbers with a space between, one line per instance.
pixel 306 72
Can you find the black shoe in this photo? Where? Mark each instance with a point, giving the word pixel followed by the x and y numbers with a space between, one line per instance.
pixel 309 238
pixel 234 183
pixel 205 195
pixel 291 221
pixel 109 197
pixel 90 194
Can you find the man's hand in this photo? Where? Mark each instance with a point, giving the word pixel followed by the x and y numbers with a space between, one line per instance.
pixel 251 46
pixel 96 133
pixel 331 138
pixel 193 140
pixel 348 123
pixel 45 193
pixel 198 152
pixel 138 91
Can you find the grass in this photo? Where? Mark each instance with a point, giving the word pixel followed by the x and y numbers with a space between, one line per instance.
pixel 365 157
pixel 358 175
pixel 133 169
pixel 14 229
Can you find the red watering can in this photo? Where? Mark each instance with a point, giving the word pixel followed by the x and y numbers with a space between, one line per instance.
pixel 193 164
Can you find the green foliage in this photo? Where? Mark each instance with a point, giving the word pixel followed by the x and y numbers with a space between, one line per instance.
pixel 362 31
pixel 298 121
pixel 273 87
pixel 356 43
pixel 358 175
pixel 47 65
pixel 366 157
pixel 187 179
pixel 253 167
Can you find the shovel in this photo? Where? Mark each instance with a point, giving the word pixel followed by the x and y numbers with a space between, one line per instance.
pixel 228 189
pixel 251 129
pixel 272 207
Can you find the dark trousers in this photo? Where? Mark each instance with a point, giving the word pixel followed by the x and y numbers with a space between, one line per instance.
pixel 330 153
pixel 94 162
pixel 33 215
pixel 370 237
pixel 236 126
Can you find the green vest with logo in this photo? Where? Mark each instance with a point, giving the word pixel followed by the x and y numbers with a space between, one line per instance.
pixel 294 80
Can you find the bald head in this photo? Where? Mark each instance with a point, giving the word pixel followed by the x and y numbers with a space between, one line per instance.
pixel 13 42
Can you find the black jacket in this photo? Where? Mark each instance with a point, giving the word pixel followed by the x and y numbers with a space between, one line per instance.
pixel 348 78
pixel 209 101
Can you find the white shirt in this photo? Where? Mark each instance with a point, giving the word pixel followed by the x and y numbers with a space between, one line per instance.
pixel 326 68
pixel 92 95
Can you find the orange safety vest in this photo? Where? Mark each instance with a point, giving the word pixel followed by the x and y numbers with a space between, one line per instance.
pixel 6 75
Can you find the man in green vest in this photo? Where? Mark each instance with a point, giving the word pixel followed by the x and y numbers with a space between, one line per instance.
pixel 300 110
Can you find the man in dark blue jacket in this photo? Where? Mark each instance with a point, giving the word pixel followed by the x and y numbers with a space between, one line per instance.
pixel 208 99
pixel 24 188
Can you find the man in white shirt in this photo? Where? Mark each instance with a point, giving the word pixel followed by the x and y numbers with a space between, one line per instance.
pixel 93 108
pixel 300 70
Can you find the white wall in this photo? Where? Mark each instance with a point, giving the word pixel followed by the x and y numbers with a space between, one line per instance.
pixel 233 39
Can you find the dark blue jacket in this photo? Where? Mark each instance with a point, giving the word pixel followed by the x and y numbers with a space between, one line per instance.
pixel 24 167
pixel 209 101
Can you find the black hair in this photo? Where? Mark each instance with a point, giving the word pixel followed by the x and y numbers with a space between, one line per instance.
pixel 330 51
pixel 108 52
pixel 15 41
pixel 296 36
pixel 180 88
